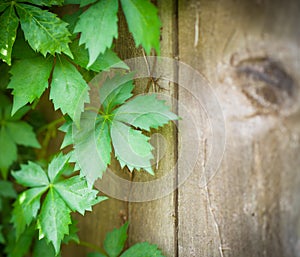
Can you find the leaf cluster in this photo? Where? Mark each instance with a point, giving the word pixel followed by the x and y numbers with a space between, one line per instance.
pixel 114 244
pixel 40 51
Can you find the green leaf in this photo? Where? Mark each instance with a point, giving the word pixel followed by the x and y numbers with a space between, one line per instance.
pixel 4 75
pixel 11 134
pixel 5 104
pixel 2 239
pixel 145 112
pixel 92 146
pixel 72 2
pixel 77 195
pixel 68 91
pixel 143 250
pixel 7 189
pixel 43 249
pixel 22 49
pixel 86 2
pixel 98 27
pixel 116 123
pixel 8 156
pixel 22 133
pixel 131 147
pixel 43 30
pixel 115 91
pixel 26 208
pixel 103 142
pixel 54 219
pixel 96 255
pixel 18 248
pixel 63 196
pixel 104 61
pixel 58 166
pixel 72 237
pixel 143 23
pixel 8 25
pixel 29 80
pixel 44 2
pixel 3 6
pixel 31 175
pixel 19 114
pixel 71 19
pixel 114 241
pixel 67 128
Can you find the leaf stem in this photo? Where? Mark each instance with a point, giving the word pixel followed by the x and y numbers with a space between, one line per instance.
pixel 51 125
pixel 92 246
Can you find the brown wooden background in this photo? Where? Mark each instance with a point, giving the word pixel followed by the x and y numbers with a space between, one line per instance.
pixel 251 207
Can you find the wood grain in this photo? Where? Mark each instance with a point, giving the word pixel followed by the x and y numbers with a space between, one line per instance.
pixel 249 207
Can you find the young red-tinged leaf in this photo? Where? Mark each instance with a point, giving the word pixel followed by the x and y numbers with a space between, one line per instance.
pixel 98 27
pixel 26 208
pixel 143 250
pixel 29 80
pixel 143 23
pixel 43 30
pixel 145 112
pixel 9 23
pixel 114 241
pixel 31 175
pixel 68 90
pixel 54 219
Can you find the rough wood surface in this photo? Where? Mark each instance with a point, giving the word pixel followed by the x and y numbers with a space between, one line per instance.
pixel 155 221
pixel 250 207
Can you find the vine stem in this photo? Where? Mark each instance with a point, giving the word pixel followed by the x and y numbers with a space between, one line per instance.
pixel 51 124
pixel 92 246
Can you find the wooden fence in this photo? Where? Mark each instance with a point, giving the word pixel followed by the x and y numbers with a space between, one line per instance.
pixel 248 51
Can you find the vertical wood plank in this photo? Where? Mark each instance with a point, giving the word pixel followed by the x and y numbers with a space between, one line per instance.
pixel 155 221
pixel 249 207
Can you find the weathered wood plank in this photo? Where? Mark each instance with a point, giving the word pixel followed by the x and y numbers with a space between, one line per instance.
pixel 155 221
pixel 249 208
